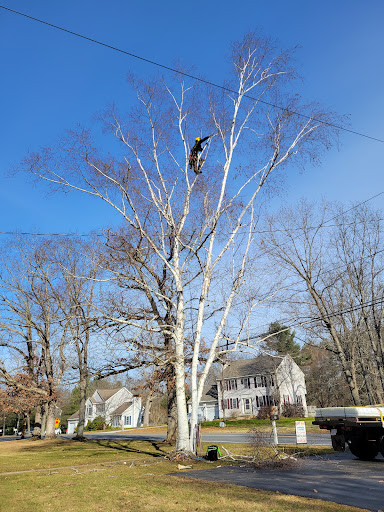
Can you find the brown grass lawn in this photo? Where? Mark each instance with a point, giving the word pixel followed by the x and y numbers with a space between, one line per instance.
pixel 122 475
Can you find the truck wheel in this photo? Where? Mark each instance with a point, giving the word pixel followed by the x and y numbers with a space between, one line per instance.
pixel 338 443
pixel 362 449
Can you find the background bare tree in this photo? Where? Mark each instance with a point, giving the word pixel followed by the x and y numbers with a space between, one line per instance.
pixel 79 299
pixel 334 286
pixel 324 379
pixel 33 331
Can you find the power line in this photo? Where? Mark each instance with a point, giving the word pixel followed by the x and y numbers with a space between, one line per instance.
pixel 350 309
pixel 325 271
pixel 193 77
pixel 310 228
pixel 258 232
pixel 329 220
pixel 223 273
pixel 318 227
pixel 25 233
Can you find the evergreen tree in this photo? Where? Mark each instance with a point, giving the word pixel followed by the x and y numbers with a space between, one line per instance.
pixel 281 341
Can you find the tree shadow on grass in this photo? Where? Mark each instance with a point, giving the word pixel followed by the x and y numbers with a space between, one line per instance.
pixel 127 446
pixel 55 448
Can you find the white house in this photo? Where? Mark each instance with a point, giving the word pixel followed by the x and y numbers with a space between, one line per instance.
pixel 209 406
pixel 248 384
pixel 119 407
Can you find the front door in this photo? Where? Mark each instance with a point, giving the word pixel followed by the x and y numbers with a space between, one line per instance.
pixel 247 406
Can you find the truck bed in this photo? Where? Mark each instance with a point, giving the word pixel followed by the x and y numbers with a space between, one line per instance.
pixel 349 415
pixel 349 412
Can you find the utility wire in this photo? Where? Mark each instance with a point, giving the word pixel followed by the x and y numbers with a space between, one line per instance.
pixel 258 232
pixel 325 271
pixel 193 77
pixel 328 220
pixel 27 233
pixel 222 274
pixel 322 225
pixel 299 323
pixel 24 233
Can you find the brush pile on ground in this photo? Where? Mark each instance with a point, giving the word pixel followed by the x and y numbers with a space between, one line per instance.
pixel 264 454
pixel 181 456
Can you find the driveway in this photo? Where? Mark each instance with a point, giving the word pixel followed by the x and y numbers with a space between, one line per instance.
pixel 339 477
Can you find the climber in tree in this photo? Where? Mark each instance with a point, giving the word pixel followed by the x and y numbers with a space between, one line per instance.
pixel 194 162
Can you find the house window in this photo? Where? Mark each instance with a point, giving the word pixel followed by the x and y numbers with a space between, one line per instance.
pixel 231 384
pixel 231 403
pixel 299 399
pixel 286 399
pixel 116 421
pixel 89 410
pixel 247 383
pixel 127 420
pixel 263 381
pixel 272 380
pixel 100 409
pixel 258 381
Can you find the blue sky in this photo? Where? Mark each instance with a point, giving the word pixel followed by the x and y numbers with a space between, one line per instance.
pixel 50 81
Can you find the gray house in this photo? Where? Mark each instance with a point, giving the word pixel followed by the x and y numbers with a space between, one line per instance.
pixel 119 407
pixel 248 384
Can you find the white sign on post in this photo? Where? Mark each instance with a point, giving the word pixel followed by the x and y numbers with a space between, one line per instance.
pixel 301 433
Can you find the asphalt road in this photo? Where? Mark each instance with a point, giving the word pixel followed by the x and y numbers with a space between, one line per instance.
pixel 214 438
pixel 339 477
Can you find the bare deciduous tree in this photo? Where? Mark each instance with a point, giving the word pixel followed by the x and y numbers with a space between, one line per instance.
pixel 33 333
pixel 80 272
pixel 339 292
pixel 197 229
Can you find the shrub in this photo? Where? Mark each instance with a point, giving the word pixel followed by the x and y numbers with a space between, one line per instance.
pixel 264 412
pixel 97 424
pixel 292 411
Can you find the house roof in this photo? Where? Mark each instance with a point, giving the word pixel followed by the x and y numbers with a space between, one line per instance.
pixel 123 407
pixel 209 394
pixel 106 393
pixel 249 367
pixel 75 416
